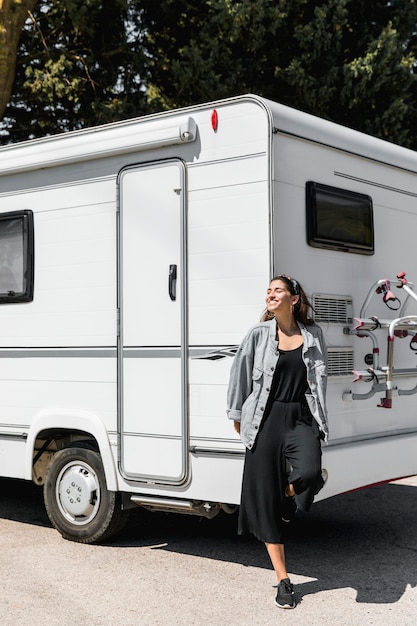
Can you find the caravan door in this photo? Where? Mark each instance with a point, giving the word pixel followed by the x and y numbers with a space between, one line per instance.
pixel 153 327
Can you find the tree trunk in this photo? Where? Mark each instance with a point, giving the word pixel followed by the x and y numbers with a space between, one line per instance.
pixel 13 14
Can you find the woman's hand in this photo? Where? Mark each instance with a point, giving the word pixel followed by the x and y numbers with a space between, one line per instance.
pixel 237 427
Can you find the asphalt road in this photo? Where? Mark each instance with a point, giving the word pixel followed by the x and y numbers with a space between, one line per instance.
pixel 353 560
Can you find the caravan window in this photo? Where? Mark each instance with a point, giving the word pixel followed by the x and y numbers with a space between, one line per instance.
pixel 339 219
pixel 16 256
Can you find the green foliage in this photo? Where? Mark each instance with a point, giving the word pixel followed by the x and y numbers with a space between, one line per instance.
pixel 376 84
pixel 78 66
pixel 85 62
pixel 351 61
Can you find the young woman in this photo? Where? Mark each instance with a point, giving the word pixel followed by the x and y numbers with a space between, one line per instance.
pixel 276 398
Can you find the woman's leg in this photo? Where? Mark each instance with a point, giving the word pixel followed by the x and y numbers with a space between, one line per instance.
pixel 285 598
pixel 277 555
pixel 303 451
pixel 264 482
pixel 289 491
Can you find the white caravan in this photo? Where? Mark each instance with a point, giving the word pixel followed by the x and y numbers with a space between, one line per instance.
pixel 134 258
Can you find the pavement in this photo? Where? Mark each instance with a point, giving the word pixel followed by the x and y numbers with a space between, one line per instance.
pixel 353 560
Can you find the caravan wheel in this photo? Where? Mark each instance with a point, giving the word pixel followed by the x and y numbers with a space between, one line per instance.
pixel 76 497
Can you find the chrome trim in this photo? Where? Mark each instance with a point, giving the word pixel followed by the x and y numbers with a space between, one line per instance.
pixel 162 502
pixel 152 435
pixel 14 436
pixel 191 507
pixel 347 441
pixel 216 451
pixel 129 352
pixel 76 352
pixel 221 353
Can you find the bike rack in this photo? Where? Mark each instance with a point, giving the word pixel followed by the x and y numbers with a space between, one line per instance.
pixel 397 328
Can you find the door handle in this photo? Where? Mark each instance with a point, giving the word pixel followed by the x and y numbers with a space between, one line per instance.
pixel 172 282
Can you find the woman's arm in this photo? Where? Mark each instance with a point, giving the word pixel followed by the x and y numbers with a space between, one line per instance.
pixel 240 382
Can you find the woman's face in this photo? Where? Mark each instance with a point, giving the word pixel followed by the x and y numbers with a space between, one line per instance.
pixel 279 298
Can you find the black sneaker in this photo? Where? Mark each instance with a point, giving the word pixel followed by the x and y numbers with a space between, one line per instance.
pixel 285 598
pixel 289 509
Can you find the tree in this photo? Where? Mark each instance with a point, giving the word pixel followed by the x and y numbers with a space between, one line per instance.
pixel 83 62
pixel 80 64
pixel 13 14
pixel 347 60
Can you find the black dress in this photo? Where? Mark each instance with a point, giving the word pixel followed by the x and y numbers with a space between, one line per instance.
pixel 288 436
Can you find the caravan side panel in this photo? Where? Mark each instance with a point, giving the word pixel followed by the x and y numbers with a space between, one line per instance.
pixel 59 351
pixel 360 430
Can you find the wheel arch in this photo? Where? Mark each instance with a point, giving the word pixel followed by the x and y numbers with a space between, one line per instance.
pixel 71 425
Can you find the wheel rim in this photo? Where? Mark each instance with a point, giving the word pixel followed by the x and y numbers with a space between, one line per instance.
pixel 78 493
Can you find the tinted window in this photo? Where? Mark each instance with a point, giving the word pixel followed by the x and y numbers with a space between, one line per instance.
pixel 16 257
pixel 339 219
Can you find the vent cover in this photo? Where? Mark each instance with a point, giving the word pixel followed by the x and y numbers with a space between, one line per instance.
pixel 340 361
pixel 333 309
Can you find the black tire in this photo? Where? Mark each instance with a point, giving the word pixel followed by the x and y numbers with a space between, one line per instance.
pixel 76 497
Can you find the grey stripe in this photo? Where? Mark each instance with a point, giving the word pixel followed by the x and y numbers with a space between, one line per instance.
pixel 348 441
pixel 32 353
pixel 153 352
pixel 151 436
pixel 376 184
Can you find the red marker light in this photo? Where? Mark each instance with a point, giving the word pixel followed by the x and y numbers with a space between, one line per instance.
pixel 214 120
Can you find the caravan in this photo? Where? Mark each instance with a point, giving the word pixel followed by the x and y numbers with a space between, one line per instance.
pixel 135 256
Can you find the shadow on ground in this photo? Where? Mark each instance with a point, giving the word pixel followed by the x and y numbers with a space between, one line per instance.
pixel 364 540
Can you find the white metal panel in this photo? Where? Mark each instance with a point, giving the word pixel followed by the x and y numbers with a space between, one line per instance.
pixel 12 458
pixel 152 400
pixel 90 192
pixel 237 170
pixel 151 218
pixel 368 462
pixel 159 457
pixel 229 252
pixel 322 132
pixel 333 272
pixel 243 129
pixel 153 406
pixel 229 265
pixel 65 366
pixel 22 399
pixel 75 268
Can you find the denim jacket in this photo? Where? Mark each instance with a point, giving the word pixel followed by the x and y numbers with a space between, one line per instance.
pixel 253 369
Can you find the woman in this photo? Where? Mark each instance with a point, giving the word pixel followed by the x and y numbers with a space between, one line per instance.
pixel 276 398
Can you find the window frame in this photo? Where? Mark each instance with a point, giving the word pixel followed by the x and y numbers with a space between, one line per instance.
pixel 26 295
pixel 338 244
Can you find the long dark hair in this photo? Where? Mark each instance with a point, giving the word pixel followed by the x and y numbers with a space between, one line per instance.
pixel 301 308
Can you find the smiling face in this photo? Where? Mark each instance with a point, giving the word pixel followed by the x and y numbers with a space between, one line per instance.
pixel 279 298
